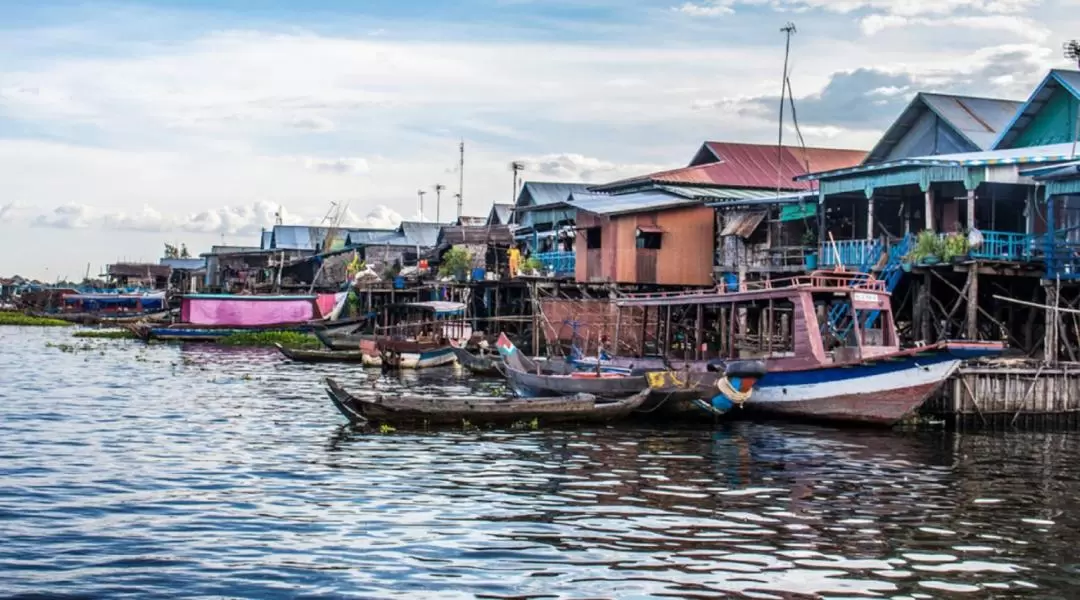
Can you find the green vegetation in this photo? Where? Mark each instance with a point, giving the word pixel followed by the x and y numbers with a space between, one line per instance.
pixel 956 246
pixel 456 260
pixel 532 264
pixel 290 339
pixel 929 247
pixel 19 319
pixel 385 429
pixel 105 334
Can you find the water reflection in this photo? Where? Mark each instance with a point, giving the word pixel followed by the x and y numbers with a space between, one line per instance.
pixel 141 470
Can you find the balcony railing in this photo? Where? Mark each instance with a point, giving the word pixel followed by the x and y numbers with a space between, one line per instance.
pixel 853 254
pixel 559 263
pixel 1006 246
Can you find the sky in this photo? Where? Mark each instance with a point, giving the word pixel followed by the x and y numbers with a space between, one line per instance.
pixel 128 125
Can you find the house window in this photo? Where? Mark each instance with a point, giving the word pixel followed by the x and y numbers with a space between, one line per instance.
pixel 647 240
pixel 592 238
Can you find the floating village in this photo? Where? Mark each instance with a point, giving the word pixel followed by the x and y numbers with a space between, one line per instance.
pixel 935 276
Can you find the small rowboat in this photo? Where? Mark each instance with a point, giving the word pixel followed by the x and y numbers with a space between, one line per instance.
pixel 477 365
pixel 401 409
pixel 528 379
pixel 342 341
pixel 324 356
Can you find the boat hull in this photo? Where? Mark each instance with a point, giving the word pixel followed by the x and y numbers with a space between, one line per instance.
pixel 477 365
pixel 322 356
pixel 424 359
pixel 408 410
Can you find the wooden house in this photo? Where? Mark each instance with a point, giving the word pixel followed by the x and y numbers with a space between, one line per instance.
pixel 544 222
pixel 148 275
pixel 487 245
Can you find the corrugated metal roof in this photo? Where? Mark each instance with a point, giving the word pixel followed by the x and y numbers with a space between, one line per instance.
pixel 717 193
pixel 500 214
pixel 542 193
pixel 267 239
pixel 751 166
pixel 1069 170
pixel 615 204
pixel 184 264
pixel 421 234
pixel 770 200
pixel 298 237
pixel 476 234
pixel 978 120
pixel 361 236
pixel 471 221
pixel 1055 79
pixel 742 223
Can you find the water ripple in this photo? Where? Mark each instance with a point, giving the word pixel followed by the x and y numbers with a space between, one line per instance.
pixel 133 470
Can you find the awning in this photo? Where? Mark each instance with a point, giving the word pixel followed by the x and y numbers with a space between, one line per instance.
pixel 796 212
pixel 649 229
pixel 742 223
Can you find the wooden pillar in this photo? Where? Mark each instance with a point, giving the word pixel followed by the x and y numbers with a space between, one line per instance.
pixel 1050 335
pixel 973 302
pixel 699 332
pixel 971 209
pixel 870 218
pixel 928 217
pixel 924 310
pixel 618 328
pixel 644 329
pixel 667 330
pixel 535 322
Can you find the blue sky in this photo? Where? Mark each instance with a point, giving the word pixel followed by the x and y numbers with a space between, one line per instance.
pixel 125 125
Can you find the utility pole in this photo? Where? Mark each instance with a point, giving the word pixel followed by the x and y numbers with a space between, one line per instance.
pixel 1072 52
pixel 461 178
pixel 420 194
pixel 787 30
pixel 438 201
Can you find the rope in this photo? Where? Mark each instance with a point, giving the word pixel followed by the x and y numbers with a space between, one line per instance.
pixel 728 390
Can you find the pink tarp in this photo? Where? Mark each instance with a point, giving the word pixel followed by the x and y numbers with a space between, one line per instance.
pixel 241 311
pixel 326 303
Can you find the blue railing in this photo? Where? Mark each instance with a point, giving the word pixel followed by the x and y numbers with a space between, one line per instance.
pixel 1062 260
pixel 854 254
pixel 561 263
pixel 1005 246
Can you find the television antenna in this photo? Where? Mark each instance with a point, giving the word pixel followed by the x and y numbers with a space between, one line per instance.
pixel 1072 52
pixel 420 194
pixel 438 201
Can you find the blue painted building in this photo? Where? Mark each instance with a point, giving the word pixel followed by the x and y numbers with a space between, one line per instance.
pixel 544 222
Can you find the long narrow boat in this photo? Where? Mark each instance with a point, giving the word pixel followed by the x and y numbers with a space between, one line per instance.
pixel 418 410
pixel 849 368
pixel 477 365
pixel 531 380
pixel 211 317
pixel 323 356
pixel 342 341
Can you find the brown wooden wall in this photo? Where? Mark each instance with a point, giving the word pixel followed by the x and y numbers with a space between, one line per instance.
pixel 685 256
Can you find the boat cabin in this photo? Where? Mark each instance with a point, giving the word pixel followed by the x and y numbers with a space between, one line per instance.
pixel 432 321
pixel 809 320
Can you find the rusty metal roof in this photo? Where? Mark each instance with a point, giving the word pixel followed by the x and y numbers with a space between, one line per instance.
pixel 742 223
pixel 758 166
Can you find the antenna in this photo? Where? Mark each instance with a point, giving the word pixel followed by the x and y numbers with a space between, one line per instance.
pixel 1072 52
pixel 788 30
pixel 461 178
pixel 516 166
pixel 438 201
pixel 420 194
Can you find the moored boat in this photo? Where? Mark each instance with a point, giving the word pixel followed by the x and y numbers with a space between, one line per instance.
pixel 848 367
pixel 477 365
pixel 211 317
pixel 530 379
pixel 322 356
pixel 421 335
pixel 401 409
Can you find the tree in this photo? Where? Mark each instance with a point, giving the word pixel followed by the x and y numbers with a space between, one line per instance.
pixel 184 252
pixel 456 260
pixel 171 251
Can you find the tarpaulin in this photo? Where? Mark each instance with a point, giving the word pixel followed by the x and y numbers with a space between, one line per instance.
pixel 246 311
pixel 326 304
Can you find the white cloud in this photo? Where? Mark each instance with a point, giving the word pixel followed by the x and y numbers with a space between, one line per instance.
pixel 381 217
pixel 232 220
pixel 570 167
pixel 68 216
pixel 711 9
pixel 339 166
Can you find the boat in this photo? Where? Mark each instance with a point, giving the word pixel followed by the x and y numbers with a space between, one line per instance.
pixel 421 335
pixel 529 379
pixel 847 368
pixel 342 341
pixel 400 409
pixel 211 317
pixel 324 356
pixel 477 365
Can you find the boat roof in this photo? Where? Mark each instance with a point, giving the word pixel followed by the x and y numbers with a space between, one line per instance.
pixel 834 282
pixel 439 307
pixel 296 298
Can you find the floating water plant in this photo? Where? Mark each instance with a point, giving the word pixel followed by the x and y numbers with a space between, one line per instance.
pixel 290 339
pixel 105 334
pixel 21 320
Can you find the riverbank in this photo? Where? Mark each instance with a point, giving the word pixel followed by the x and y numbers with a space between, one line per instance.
pixel 18 319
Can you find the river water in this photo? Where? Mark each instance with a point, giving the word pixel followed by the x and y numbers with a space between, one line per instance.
pixel 140 471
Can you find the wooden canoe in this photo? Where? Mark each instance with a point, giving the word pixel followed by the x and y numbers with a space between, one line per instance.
pixel 477 365
pixel 342 341
pixel 401 409
pixel 528 378
pixel 325 356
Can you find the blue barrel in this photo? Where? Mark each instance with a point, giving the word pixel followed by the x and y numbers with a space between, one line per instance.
pixel 731 280
pixel 478 274
pixel 399 283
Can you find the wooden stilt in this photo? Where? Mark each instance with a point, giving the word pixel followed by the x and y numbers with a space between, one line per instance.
pixel 973 302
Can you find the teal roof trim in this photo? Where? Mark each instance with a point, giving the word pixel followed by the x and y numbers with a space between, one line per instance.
pixel 1064 78
pixel 1063 187
pixel 922 176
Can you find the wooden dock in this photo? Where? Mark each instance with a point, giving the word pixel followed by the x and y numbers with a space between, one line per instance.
pixel 1010 393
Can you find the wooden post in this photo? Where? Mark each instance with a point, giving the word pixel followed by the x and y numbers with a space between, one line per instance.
pixel 535 321
pixel 1050 335
pixel 870 218
pixel 644 329
pixel 928 217
pixel 699 333
pixel 973 302
pixel 667 330
pixel 722 350
pixel 924 310
pixel 618 328
pixel 971 209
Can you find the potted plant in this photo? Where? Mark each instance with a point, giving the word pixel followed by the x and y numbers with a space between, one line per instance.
pixel 455 263
pixel 955 247
pixel 532 266
pixel 927 250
